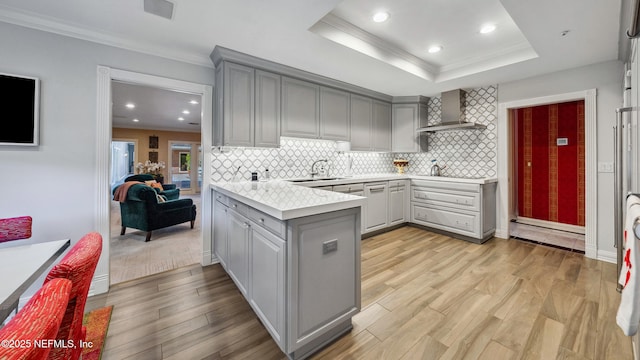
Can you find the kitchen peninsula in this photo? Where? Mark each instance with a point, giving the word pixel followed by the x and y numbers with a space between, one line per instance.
pixel 294 253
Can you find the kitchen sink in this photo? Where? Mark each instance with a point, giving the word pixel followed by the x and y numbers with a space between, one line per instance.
pixel 314 179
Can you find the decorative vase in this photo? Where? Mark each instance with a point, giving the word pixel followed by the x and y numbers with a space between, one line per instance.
pixel 400 164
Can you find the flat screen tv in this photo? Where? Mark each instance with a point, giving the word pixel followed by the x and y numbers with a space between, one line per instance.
pixel 19 101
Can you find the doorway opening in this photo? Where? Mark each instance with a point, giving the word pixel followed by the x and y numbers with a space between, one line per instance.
pixel 106 77
pixel 506 199
pixel 124 157
pixel 548 168
pixel 186 166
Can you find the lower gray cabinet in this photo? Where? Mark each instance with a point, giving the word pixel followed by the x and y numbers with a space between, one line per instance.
pixel 220 232
pixel 238 245
pixel 267 280
pixel 375 213
pixel 398 201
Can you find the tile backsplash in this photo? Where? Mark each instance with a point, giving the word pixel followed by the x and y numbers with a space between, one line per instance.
pixel 464 153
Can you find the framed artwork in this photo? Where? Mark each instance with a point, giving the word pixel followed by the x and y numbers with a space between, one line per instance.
pixel 153 156
pixel 153 142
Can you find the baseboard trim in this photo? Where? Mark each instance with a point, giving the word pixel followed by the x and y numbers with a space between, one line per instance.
pixel 552 225
pixel 208 258
pixel 99 285
pixel 608 256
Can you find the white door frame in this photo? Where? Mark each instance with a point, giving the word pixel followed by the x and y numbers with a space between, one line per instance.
pixel 194 159
pixel 105 75
pixel 591 166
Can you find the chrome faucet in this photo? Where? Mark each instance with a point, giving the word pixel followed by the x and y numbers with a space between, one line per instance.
pixel 322 170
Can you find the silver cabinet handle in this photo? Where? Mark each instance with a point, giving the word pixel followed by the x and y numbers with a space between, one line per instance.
pixel 246 225
pixel 235 206
pixel 377 189
pixel 261 220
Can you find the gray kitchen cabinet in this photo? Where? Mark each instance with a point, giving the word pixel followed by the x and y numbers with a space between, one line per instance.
pixel 238 105
pixel 381 126
pixel 324 277
pixel 300 109
pixel 468 210
pixel 267 109
pixel 247 107
pixel 353 189
pixel 334 114
pixel 220 231
pixel 406 118
pixel 370 124
pixel 375 212
pixel 398 202
pixel 238 229
pixel 361 128
pixel 267 280
pixel 300 276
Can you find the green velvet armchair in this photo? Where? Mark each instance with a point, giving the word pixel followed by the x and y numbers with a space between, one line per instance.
pixel 141 210
pixel 169 190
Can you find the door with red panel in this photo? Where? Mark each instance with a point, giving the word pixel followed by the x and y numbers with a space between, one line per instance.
pixel 550 162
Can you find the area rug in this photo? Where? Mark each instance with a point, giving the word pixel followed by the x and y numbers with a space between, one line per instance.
pixel 97 323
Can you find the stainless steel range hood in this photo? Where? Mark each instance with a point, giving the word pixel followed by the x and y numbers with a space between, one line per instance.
pixel 452 114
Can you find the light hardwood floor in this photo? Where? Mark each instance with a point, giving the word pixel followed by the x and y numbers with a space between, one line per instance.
pixel 424 296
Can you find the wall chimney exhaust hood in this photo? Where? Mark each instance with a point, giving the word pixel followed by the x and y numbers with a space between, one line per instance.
pixel 452 114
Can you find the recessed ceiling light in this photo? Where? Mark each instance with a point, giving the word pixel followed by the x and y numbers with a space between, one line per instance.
pixel 434 49
pixel 488 28
pixel 181 118
pixel 185 112
pixel 193 102
pixel 136 120
pixel 130 105
pixel 381 16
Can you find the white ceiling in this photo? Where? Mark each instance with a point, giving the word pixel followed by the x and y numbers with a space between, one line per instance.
pixel 527 40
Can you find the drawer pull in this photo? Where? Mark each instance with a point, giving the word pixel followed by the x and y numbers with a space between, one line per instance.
pixel 246 225
pixel 235 206
pixel 261 220
pixel 377 189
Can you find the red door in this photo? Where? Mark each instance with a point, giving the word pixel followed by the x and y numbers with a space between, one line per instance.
pixel 550 162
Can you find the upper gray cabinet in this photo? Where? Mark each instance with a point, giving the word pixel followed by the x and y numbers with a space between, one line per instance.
pixel 409 114
pixel 267 112
pixel 248 107
pixel 238 105
pixel 381 126
pixel 361 114
pixel 300 108
pixel 370 124
pixel 334 114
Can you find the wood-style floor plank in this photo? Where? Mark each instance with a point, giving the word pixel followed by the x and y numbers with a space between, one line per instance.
pixel 424 296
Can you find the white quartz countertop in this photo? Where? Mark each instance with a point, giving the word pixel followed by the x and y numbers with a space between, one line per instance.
pixel 284 200
pixel 393 176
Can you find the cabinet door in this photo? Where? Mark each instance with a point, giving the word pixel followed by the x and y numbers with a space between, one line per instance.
pixel 361 120
pixel 406 118
pixel 239 86
pixel 381 126
pixel 267 109
pixel 334 114
pixel 220 232
pixel 267 280
pixel 397 202
pixel 375 217
pixel 300 109
pixel 238 229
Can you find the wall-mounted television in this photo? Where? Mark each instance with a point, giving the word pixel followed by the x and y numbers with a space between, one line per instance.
pixel 19 101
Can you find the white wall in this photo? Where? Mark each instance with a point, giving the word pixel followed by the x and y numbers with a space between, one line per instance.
pixel 607 79
pixel 55 182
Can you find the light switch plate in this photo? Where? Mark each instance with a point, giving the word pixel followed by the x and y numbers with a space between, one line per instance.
pixel 605 167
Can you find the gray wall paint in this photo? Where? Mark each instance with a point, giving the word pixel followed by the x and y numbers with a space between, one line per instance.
pixel 607 79
pixel 55 182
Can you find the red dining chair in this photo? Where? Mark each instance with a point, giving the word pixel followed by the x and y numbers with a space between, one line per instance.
pixel 78 266
pixel 16 228
pixel 38 321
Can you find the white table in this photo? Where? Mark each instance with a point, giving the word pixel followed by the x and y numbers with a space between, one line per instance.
pixel 20 266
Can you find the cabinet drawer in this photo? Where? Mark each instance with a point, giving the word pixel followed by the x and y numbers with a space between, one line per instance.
pixel 450 220
pixel 268 222
pixel 397 183
pixel 238 206
pixel 454 199
pixel 348 188
pixel 446 185
pixel 223 199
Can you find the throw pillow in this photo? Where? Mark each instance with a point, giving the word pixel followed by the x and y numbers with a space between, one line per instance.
pixel 161 198
pixel 154 184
